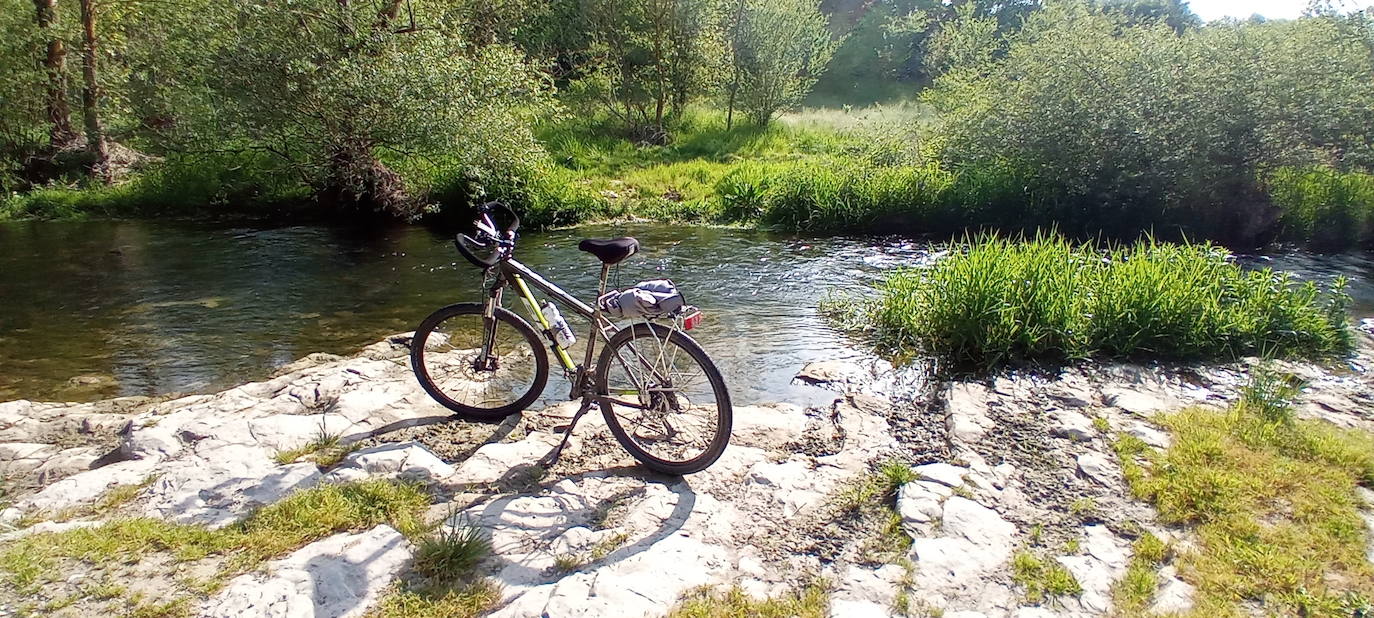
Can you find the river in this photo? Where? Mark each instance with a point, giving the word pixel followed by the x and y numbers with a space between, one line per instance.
pixel 110 308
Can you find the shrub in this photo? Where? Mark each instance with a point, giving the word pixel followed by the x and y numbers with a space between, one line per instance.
pixel 1140 127
pixel 1000 300
pixel 1329 210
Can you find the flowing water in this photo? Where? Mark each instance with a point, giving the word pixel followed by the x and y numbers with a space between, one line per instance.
pixel 99 309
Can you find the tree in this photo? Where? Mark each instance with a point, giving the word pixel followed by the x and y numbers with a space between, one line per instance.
pixel 1133 125
pixel 339 91
pixel 778 49
pixel 96 143
pixel 60 133
pixel 647 57
pixel 1174 13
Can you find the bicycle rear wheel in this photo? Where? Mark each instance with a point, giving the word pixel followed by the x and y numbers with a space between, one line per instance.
pixel 444 356
pixel 663 399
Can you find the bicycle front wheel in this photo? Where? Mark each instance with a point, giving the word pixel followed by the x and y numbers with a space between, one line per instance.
pixel 663 399
pixel 445 356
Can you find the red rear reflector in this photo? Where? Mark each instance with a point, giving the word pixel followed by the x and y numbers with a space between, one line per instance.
pixel 691 321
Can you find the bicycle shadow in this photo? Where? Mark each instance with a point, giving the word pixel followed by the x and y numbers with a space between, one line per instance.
pixel 524 523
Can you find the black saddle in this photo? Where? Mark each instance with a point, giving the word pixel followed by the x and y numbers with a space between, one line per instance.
pixel 611 250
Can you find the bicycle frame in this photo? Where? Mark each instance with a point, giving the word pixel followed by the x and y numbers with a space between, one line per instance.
pixel 510 271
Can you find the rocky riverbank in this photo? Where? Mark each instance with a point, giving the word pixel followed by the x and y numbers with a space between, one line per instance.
pixel 993 468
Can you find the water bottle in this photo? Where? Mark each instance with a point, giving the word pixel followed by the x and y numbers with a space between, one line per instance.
pixel 562 333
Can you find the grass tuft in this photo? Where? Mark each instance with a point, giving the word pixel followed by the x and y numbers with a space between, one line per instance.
pixel 450 551
pixel 270 532
pixel 1043 578
pixel 1001 300
pixel 812 602
pixel 326 451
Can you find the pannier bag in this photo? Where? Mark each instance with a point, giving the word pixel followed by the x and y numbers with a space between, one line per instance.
pixel 647 299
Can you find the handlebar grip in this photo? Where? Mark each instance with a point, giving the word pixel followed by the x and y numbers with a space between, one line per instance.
pixel 469 247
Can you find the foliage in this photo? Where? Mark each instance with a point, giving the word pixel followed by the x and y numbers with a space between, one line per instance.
pixel 1137 126
pixel 334 89
pixel 777 50
pixel 1327 209
pixel 439 601
pixel 1136 589
pixel 812 602
pixel 1273 506
pixel 1000 300
pixel 646 58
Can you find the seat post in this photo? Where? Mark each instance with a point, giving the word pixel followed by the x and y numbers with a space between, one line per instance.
pixel 601 287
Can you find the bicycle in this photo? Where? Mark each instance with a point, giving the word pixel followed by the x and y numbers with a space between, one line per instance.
pixel 662 397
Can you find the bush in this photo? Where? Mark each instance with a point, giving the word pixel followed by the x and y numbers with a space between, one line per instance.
pixel 1138 127
pixel 1001 300
pixel 1329 210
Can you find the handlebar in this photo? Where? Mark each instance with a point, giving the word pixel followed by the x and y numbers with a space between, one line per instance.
pixel 480 252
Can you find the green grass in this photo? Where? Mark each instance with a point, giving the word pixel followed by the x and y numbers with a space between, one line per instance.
pixel 270 532
pixel 326 451
pixel 451 550
pixel 465 600
pixel 1043 579
pixel 812 602
pixel 1271 501
pixel 1134 592
pixel 1327 209
pixel 202 186
pixel 999 300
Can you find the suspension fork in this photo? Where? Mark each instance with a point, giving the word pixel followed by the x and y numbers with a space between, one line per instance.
pixel 485 359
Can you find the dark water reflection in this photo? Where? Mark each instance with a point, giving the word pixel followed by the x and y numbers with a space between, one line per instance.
pixel 180 307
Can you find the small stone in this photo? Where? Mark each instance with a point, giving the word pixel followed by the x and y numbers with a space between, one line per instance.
pixel 1097 467
pixel 945 474
pixel 967 405
pixel 1174 596
pixel 1148 434
pixel 1072 425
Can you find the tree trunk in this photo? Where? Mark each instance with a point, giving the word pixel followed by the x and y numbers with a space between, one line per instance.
pixel 90 97
pixel 734 62
pixel 60 133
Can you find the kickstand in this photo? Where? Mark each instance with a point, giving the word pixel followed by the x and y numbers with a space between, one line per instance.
pixel 549 460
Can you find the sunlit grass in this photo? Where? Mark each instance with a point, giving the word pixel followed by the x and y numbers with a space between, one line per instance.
pixel 1042 579
pixel 1272 502
pixel 268 533
pixel 812 602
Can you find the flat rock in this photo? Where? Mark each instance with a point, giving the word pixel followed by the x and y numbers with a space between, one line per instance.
pixel 1174 596
pixel 977 523
pixel 967 408
pixel 1102 564
pixel 409 460
pixel 917 505
pixel 1098 467
pixel 1136 401
pixel 493 461
pixel 342 575
pixel 833 373
pixel 945 474
pixel 223 485
pixel 1149 435
pixel 846 608
pixel 1072 425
